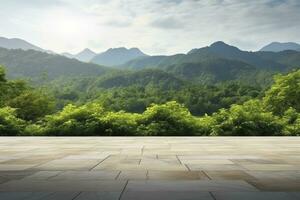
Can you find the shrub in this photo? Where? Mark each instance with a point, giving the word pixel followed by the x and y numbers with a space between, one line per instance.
pixel 120 123
pixel 10 125
pixel 284 93
pixel 249 119
pixel 170 118
pixel 75 120
pixel 291 122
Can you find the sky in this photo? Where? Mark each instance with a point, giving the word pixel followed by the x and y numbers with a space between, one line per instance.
pixel 154 26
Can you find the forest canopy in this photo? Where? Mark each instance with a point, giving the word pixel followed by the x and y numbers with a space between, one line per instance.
pixel 223 109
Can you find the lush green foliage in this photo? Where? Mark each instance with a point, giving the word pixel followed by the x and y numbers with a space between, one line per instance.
pixel 284 93
pixel 167 119
pixel 29 104
pixel 32 105
pixel 10 125
pixel 249 119
pixel 237 110
pixel 92 119
pixel 199 99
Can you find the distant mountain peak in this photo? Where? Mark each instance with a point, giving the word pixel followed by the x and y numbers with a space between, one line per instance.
pixel 124 49
pixel 87 50
pixel 117 56
pixel 219 43
pixel 281 46
pixel 222 45
pixel 85 55
pixel 16 43
pixel 218 46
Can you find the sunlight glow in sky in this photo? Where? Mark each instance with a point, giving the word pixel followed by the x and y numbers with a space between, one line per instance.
pixel 155 26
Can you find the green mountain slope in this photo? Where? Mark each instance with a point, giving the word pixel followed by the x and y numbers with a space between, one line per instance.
pixel 289 58
pixel 141 78
pixel 220 50
pixel 33 64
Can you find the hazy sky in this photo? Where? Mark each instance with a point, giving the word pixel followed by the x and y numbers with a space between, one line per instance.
pixel 155 26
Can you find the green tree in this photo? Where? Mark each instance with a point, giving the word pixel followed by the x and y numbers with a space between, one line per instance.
pixel 170 118
pixel 75 120
pixel 10 125
pixel 249 119
pixel 32 105
pixel 284 93
pixel 291 122
pixel 2 74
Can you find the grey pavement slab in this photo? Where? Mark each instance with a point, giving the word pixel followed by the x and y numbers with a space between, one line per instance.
pixel 149 168
pixel 166 196
pixel 191 185
pixel 254 196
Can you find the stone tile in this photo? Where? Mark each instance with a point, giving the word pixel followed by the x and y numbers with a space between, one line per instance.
pixel 86 157
pixel 164 167
pixel 175 175
pixel 216 157
pixel 15 175
pixel 43 175
pixel 279 185
pixel 62 186
pixel 166 196
pixel 25 161
pixel 133 175
pixel 208 162
pixel 191 185
pixel 257 161
pixel 86 175
pixel 229 175
pixel 275 175
pixel 37 195
pixel 99 196
pixel 12 167
pixel 219 167
pixel 67 164
pixel 253 195
pixel 61 196
pixel 118 167
pixel 271 167
pixel 23 195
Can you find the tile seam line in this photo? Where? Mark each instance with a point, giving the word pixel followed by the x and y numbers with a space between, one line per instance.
pixel 77 195
pixel 212 195
pixel 118 175
pixel 206 175
pixel 122 192
pixel 59 173
pixel 99 163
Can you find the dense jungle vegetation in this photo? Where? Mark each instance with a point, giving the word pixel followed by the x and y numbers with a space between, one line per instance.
pixel 149 103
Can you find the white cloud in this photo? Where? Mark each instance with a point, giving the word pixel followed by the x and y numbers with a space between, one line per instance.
pixel 155 26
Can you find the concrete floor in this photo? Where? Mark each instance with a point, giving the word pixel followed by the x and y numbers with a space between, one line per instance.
pixel 212 168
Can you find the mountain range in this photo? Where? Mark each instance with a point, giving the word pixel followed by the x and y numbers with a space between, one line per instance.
pixel 111 57
pixel 214 63
pixel 280 61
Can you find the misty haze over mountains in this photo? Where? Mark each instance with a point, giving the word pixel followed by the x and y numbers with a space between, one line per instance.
pixel 121 55
pixel 214 63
